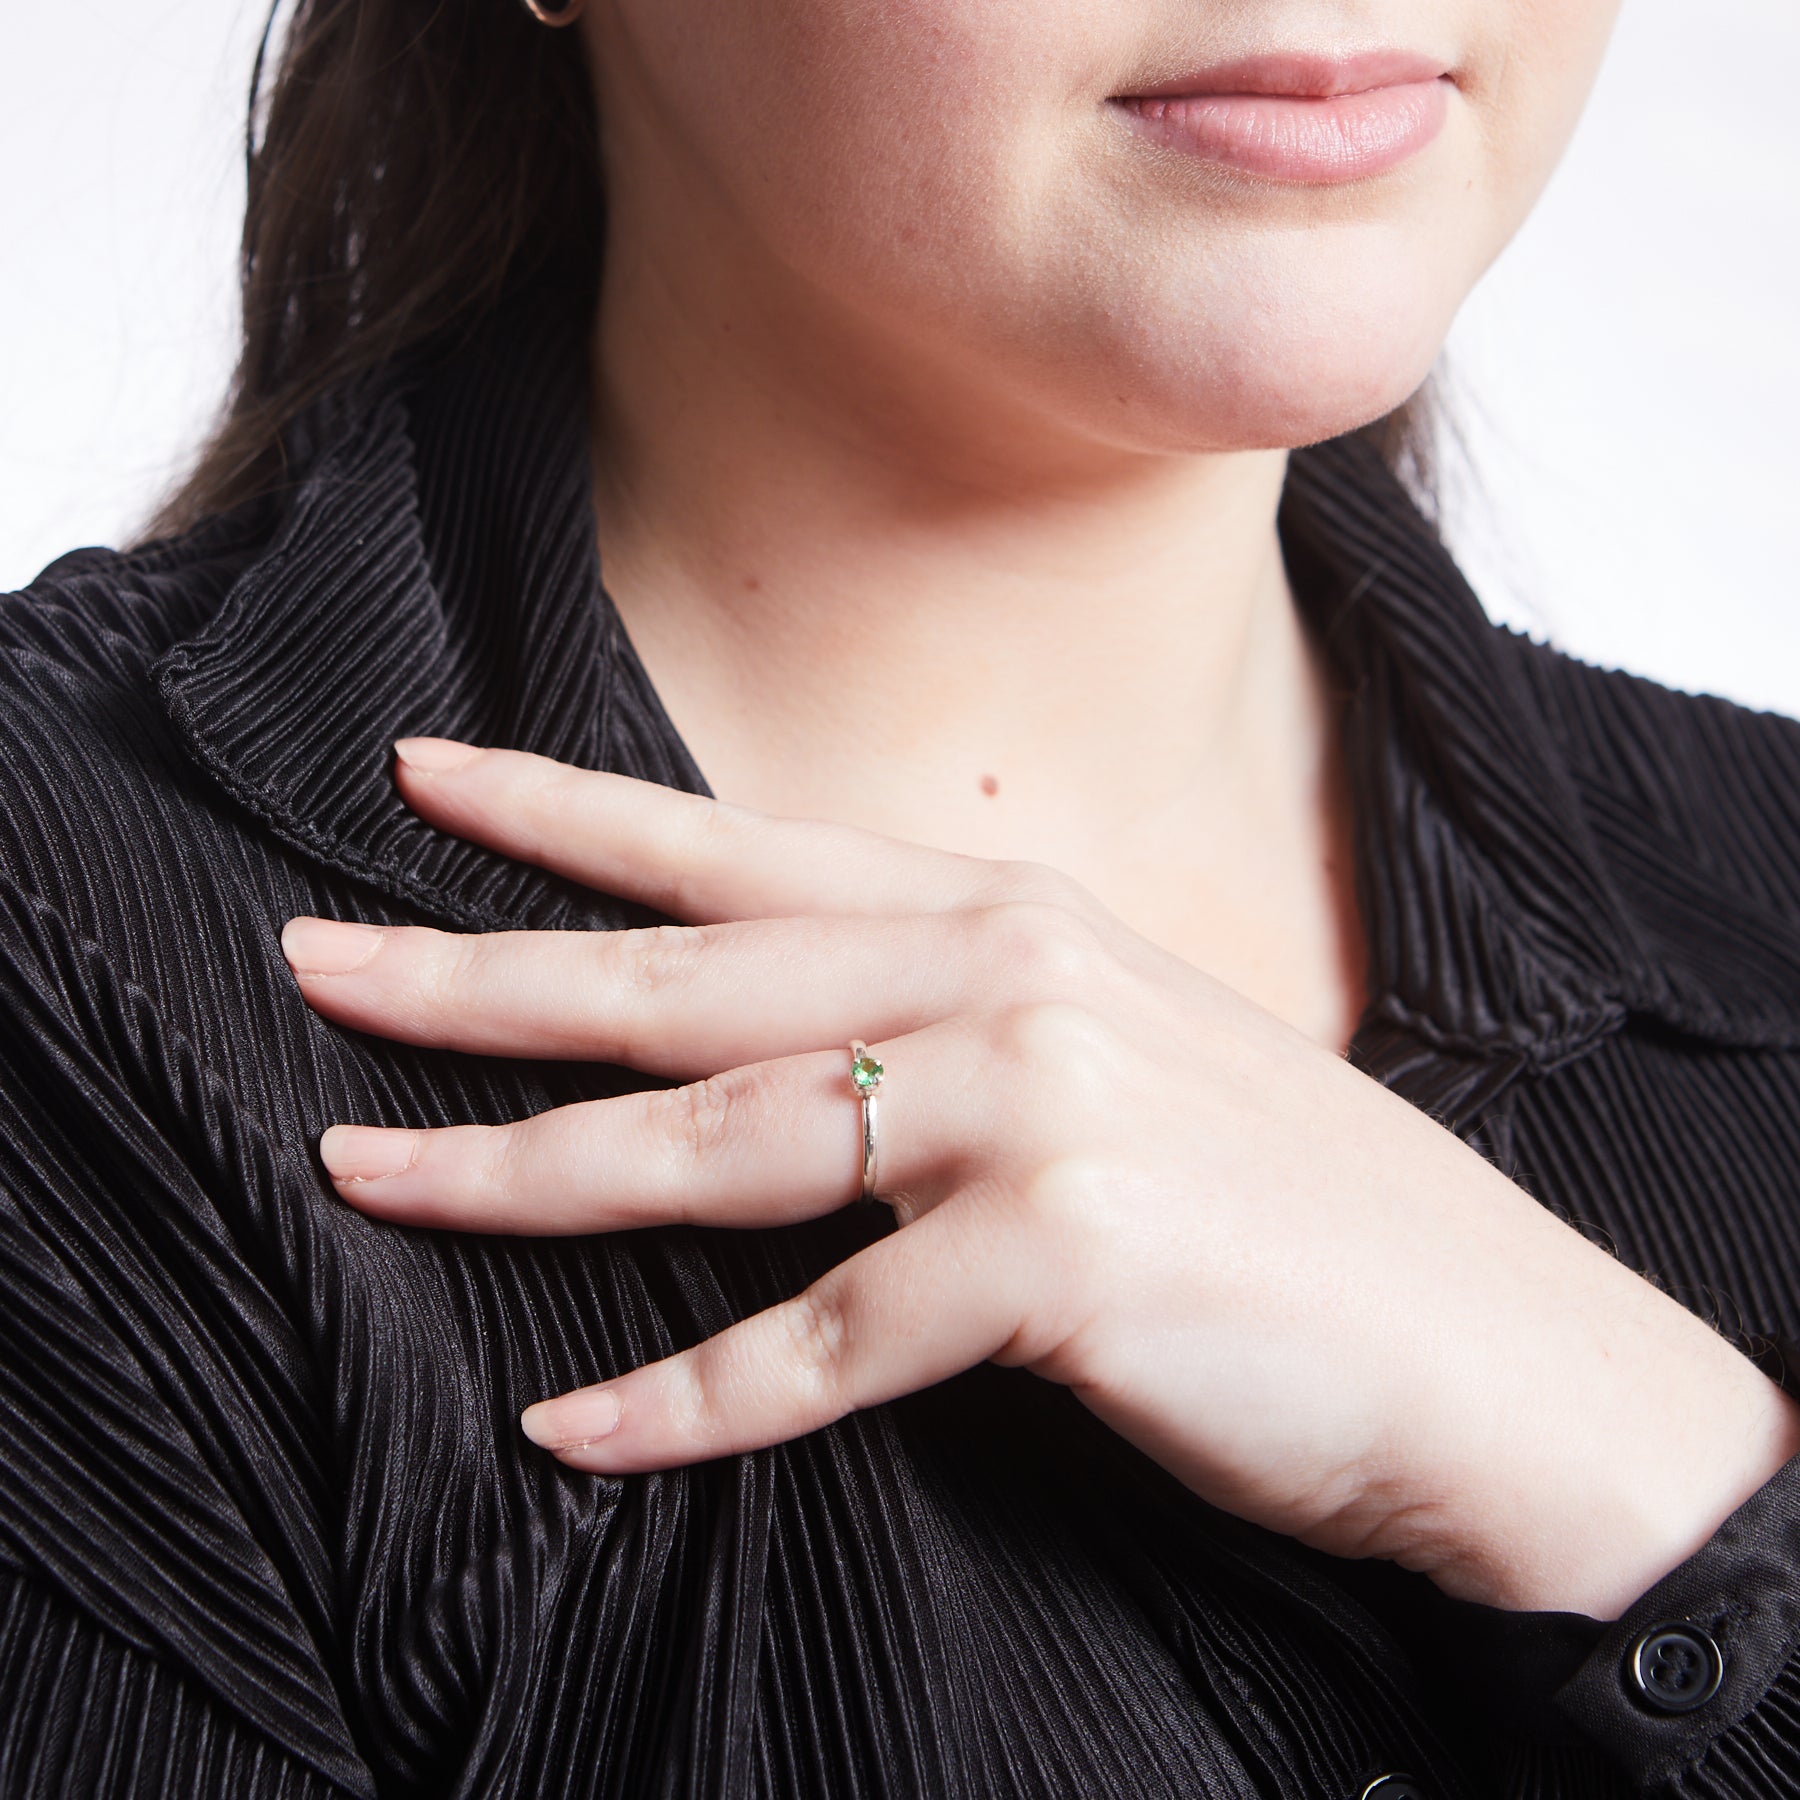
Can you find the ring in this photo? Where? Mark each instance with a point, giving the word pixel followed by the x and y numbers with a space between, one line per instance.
pixel 865 1078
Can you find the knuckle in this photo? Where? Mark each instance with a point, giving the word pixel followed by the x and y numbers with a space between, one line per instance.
pixel 1080 1214
pixel 819 1324
pixel 500 1165
pixel 1053 1040
pixel 692 1397
pixel 540 795
pixel 705 1116
pixel 662 957
pixel 1033 882
pixel 447 974
pixel 695 845
pixel 709 835
pixel 1062 1073
pixel 1070 1191
pixel 1040 948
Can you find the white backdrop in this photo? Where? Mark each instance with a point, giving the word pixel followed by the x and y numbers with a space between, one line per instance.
pixel 1626 374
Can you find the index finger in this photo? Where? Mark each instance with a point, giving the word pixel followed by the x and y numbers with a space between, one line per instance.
pixel 696 859
pixel 926 1302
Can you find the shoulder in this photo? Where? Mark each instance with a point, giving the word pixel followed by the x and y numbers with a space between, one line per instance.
pixel 95 603
pixel 1709 782
pixel 94 783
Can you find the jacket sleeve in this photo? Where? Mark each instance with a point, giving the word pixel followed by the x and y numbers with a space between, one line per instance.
pixel 1693 1692
pixel 164 1588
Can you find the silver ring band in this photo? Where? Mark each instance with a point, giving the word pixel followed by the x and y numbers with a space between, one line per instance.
pixel 865 1078
pixel 869 1104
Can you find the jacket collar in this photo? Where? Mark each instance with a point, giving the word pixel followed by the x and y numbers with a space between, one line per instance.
pixel 1499 915
pixel 435 571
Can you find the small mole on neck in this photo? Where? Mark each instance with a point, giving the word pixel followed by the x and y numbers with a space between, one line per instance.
pixel 990 784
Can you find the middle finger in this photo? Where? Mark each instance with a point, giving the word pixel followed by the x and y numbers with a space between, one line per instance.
pixel 683 1000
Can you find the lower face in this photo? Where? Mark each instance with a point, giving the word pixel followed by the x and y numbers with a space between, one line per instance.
pixel 1164 224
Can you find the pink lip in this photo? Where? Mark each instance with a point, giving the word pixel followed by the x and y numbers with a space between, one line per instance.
pixel 1300 118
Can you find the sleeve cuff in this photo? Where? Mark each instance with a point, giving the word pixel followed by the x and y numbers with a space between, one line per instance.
pixel 1695 1687
pixel 1690 1665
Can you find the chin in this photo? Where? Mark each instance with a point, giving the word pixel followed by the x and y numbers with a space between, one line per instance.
pixel 1274 379
pixel 1266 411
pixel 1199 338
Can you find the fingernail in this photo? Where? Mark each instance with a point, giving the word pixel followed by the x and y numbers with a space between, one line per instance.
pixel 572 1420
pixel 367 1152
pixel 328 946
pixel 435 756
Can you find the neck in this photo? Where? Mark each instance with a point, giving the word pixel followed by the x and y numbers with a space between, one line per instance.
pixel 859 608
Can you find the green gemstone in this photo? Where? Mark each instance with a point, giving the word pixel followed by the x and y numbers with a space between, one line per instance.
pixel 865 1072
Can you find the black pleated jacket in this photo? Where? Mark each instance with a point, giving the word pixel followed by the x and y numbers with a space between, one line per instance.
pixel 267 1523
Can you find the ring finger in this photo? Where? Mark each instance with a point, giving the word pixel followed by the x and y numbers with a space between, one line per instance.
pixel 765 1144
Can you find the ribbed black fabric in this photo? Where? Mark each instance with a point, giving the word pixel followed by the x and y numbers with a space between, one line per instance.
pixel 267 1524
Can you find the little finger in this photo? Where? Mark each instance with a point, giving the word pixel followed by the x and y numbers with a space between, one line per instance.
pixel 915 1308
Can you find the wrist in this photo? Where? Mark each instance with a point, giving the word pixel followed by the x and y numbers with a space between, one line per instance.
pixel 1613 1501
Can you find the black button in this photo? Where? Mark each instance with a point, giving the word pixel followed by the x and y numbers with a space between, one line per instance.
pixel 1392 1787
pixel 1675 1667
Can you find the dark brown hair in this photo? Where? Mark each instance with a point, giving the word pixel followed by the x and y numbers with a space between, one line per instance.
pixel 407 161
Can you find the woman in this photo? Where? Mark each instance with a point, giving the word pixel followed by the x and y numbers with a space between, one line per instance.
pixel 1327 1064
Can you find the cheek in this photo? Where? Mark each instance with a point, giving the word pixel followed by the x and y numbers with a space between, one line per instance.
pixel 836 122
pixel 898 150
pixel 1527 88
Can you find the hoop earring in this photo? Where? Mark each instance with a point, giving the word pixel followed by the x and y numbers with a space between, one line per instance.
pixel 566 14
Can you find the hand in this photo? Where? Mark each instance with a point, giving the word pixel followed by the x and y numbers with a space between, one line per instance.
pixel 1293 1289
